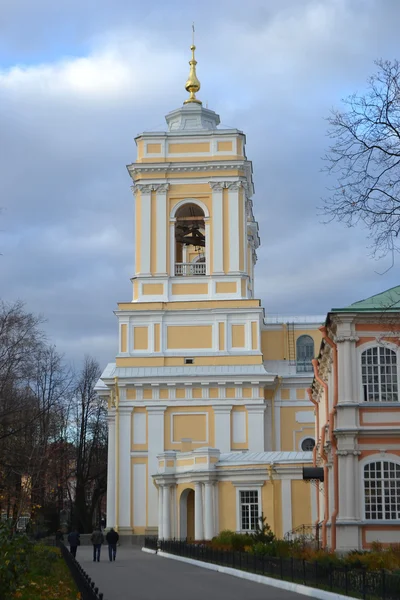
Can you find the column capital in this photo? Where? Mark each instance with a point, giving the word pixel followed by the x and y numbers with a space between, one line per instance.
pixel 161 188
pixel 222 408
pixel 143 188
pixel 256 408
pixel 156 410
pixel 346 338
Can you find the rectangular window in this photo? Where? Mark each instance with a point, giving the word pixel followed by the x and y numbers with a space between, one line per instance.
pixel 248 510
pixel 379 375
pixel 382 491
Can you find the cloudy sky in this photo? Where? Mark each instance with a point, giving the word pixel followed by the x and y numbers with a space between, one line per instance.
pixel 78 81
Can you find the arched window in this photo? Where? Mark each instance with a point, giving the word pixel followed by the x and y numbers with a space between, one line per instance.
pixel 304 353
pixel 379 374
pixel 307 445
pixel 190 240
pixel 382 490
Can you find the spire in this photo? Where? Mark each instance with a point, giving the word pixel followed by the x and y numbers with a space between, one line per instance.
pixel 193 84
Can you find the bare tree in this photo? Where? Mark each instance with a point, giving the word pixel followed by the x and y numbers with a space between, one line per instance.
pixel 90 444
pixel 365 156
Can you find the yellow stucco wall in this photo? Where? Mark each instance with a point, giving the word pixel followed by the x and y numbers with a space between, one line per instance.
pixel 152 289
pixel 187 289
pixel 140 338
pixel 291 431
pixel 193 427
pixel 274 343
pixel 238 336
pixel 224 147
pixel 124 337
pixel 189 336
pixel 180 422
pixel 301 503
pixel 187 148
pixel 227 505
pixel 225 287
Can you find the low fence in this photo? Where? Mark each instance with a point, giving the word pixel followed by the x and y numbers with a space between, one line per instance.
pixel 83 582
pixel 306 535
pixel 356 583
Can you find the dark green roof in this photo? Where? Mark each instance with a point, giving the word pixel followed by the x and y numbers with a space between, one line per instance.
pixel 388 301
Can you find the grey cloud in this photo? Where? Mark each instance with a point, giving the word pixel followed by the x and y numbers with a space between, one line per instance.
pixel 272 69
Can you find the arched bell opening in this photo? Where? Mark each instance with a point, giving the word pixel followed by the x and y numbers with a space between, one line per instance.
pixel 190 240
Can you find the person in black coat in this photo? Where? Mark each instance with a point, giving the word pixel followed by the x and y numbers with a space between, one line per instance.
pixel 112 538
pixel 74 541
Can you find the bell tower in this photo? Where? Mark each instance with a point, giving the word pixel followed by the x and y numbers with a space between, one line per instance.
pixel 189 368
pixel 195 233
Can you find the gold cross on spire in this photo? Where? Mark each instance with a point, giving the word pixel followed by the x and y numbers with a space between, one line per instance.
pixel 193 84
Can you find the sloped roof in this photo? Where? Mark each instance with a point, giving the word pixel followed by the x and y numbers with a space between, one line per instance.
pixel 388 301
pixel 251 458
pixel 112 371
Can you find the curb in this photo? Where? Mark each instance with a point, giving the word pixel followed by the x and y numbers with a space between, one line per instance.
pixel 298 588
pixel 149 551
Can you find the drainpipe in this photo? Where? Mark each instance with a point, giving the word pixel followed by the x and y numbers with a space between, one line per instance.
pixel 332 438
pixel 323 453
pixel 309 392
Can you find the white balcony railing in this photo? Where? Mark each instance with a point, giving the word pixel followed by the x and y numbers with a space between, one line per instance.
pixel 190 269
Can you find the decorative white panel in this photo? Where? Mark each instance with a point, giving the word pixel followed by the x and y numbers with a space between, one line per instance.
pixel 239 427
pixel 139 495
pixel 139 428
pixel 384 536
pixel 305 416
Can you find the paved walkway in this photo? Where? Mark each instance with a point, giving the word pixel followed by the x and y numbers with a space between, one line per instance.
pixel 136 575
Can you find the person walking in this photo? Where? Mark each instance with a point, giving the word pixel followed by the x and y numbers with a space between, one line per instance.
pixel 97 538
pixel 74 541
pixel 112 538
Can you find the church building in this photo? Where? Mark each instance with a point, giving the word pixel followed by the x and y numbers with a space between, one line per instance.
pixel 210 423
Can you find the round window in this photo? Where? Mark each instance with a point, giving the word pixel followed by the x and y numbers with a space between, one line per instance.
pixel 308 444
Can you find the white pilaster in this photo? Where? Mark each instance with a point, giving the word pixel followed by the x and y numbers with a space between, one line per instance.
pixel 216 510
pixel 111 472
pixel 234 246
pixel 208 247
pixel 161 229
pixel 155 426
pixel 166 512
pixel 347 480
pixel 145 232
pixel 208 510
pixel 286 506
pixel 172 248
pixel 277 425
pixel 198 511
pixel 222 420
pixel 160 513
pixel 255 434
pixel 124 476
pixel 218 238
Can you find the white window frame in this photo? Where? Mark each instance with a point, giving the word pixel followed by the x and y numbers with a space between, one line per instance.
pixel 360 350
pixel 246 488
pixel 381 457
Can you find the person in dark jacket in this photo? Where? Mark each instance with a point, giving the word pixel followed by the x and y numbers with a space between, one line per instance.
pixel 97 538
pixel 112 538
pixel 59 536
pixel 74 541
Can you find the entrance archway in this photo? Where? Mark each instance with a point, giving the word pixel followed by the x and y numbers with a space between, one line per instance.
pixel 186 515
